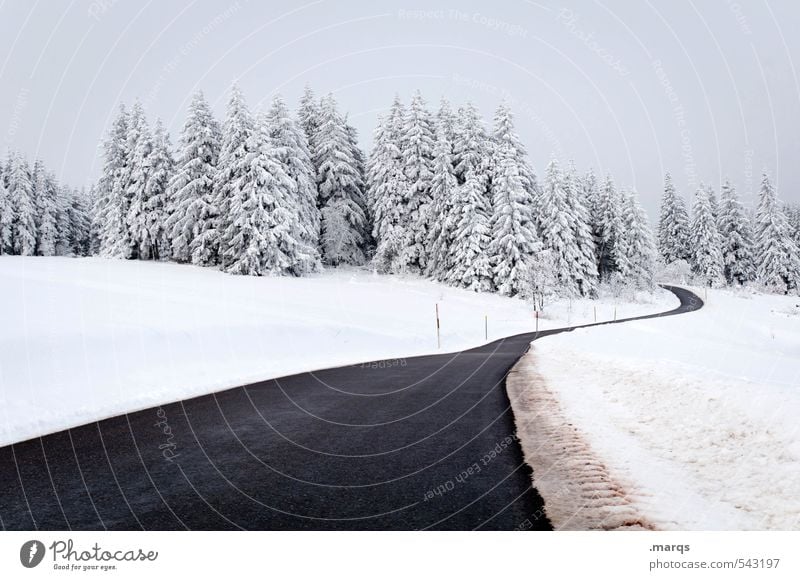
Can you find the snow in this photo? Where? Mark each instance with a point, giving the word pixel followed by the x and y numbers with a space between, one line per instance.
pixel 87 338
pixel 694 417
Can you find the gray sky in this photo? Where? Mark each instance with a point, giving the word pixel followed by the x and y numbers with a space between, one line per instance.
pixel 702 89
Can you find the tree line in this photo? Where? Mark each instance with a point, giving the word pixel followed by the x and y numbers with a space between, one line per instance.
pixel 441 194
pixel 723 243
pixel 38 215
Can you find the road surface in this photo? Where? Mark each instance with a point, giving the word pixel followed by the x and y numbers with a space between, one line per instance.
pixel 420 443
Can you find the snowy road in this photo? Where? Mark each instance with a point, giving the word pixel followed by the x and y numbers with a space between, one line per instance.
pixel 420 443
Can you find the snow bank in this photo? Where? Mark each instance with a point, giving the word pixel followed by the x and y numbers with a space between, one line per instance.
pixel 84 339
pixel 694 417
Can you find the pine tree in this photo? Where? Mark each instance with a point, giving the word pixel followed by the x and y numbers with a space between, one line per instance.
pixel 445 212
pixel 557 233
pixel 190 192
pixel 45 193
pixel 155 242
pixel 309 118
pixel 673 225
pixel 339 187
pixel 64 222
pixel 263 232
pixel 469 252
pixel 79 223
pixel 387 184
pixel 6 217
pixel 111 209
pixel 20 192
pixel 417 143
pixel 513 231
pixel 289 146
pixel 777 256
pixel 470 147
pixel 793 215
pixel 637 244
pixel 446 122
pixel 214 244
pixel 585 267
pixel 608 230
pixel 705 242
pixel 736 237
pixel 140 146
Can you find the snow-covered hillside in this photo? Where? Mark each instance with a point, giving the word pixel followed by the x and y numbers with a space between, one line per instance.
pixel 688 422
pixel 83 339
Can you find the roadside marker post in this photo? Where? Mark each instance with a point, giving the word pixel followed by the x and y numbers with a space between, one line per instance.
pixel 438 335
pixel 595 313
pixel 486 327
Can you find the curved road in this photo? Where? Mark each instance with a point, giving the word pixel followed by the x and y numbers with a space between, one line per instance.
pixel 422 443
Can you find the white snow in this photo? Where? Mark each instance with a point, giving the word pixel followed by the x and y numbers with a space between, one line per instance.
pixel 694 416
pixel 86 338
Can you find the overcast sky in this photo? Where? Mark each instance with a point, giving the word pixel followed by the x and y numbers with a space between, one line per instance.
pixel 703 89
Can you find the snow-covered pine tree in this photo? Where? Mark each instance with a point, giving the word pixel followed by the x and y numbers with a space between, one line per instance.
pixel 6 216
pixel 470 146
pixel 705 242
pixel 637 244
pixel 673 225
pixel 557 232
pixel 64 222
pixel 20 192
pixel 585 266
pixel 386 180
pixel 360 191
pixel 190 192
pixel 513 232
pixel 445 212
pixel 340 195
pixel 416 145
pixel 736 237
pixel 111 208
pixel 80 224
pixel 264 233
pixel 140 146
pixel 469 259
pixel 216 244
pixel 446 121
pixel 793 215
pixel 309 118
pixel 777 256
pixel 609 229
pixel 155 242
pixel 45 194
pixel 289 146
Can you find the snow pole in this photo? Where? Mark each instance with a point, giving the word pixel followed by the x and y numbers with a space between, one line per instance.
pixel 615 313
pixel 438 336
pixel 537 320
pixel 486 327
pixel 595 313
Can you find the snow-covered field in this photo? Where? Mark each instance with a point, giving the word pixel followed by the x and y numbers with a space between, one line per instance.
pixel 84 339
pixel 685 422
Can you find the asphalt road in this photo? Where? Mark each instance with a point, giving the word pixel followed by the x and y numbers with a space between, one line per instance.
pixel 420 443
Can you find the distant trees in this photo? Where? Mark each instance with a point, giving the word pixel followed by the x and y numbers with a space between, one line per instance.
pixel 439 195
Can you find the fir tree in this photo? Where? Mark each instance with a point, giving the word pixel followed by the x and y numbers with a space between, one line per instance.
pixel 387 184
pixel 155 240
pixel 290 148
pixel 513 231
pixel 339 187
pixel 45 194
pixel 638 245
pixel 705 242
pixel 673 225
pixel 417 142
pixel 585 266
pixel 609 230
pixel 777 256
pixel 140 146
pixel 20 192
pixel 6 217
pixel 111 208
pixel 469 253
pixel 736 237
pixel 190 192
pixel 444 189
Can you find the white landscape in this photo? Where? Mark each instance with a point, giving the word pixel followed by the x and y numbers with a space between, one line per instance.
pixel 83 339
pixel 683 423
